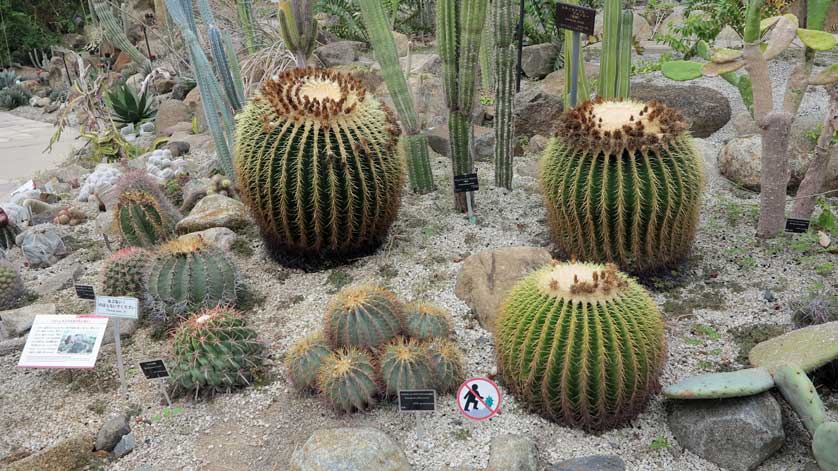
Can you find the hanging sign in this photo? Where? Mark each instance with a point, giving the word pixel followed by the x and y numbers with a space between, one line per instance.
pixel 575 18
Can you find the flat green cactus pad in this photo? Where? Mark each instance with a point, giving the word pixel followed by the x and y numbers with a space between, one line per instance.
pixel 824 446
pixel 681 70
pixel 817 40
pixel 713 69
pixel 808 348
pixel 801 395
pixel 724 54
pixel 721 385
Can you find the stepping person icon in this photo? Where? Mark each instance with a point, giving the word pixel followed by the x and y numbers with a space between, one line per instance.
pixel 471 398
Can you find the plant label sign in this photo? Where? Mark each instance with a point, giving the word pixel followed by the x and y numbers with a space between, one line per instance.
pixel 118 307
pixel 797 226
pixel 154 369
pixel 417 400
pixel 466 183
pixel 62 341
pixel 575 18
pixel 479 398
pixel 85 292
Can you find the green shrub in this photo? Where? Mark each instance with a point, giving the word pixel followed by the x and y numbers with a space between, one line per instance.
pixel 14 96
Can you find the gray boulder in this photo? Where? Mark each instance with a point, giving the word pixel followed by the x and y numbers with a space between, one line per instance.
pixel 112 432
pixel 17 322
pixel 42 245
pixel 590 463
pixel 484 144
pixel 214 210
pixel 513 453
pixel 706 109
pixel 344 449
pixel 171 112
pixel 539 60
pixel 339 52
pixel 736 434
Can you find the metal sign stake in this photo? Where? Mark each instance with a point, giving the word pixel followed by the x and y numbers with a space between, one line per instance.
pixel 574 69
pixel 123 391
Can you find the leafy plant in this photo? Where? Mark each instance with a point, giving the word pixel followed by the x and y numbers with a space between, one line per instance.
pixel 14 96
pixel 660 443
pixel 35 24
pixel 127 107
pixel 345 19
pixel 8 78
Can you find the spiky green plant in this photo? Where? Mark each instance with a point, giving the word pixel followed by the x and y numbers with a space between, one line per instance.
pixel 347 380
pixel 115 33
pixel 215 351
pixel 127 107
pixel 188 275
pixel 423 321
pixel 446 364
pixel 298 29
pixel 318 163
pixel 8 231
pixel 248 24
pixel 622 183
pixel 405 364
pixel 124 272
pixel 142 220
pixel 304 360
pixel 582 344
pixel 615 71
pixel 362 316
pixel 8 78
pixel 11 286
pixel 13 97
pixel 503 17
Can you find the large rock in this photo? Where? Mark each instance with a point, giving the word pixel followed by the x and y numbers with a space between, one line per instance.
pixel 537 108
pixel 42 245
pixel 214 211
pixel 513 453
pixel 72 454
pixel 17 322
pixel 112 432
pixel 539 60
pixel 706 109
pixel 220 237
pixel 590 463
pixel 737 434
pixel 487 276
pixel 344 449
pixel 484 144
pixel 339 52
pixel 171 112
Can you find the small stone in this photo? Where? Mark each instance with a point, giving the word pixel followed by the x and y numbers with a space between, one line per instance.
pixel 590 463
pixel 344 449
pixel 214 211
pixel 73 453
pixel 17 322
pixel 171 112
pixel 112 432
pixel 484 144
pixel 513 453
pixel 125 446
pixel 339 52
pixel 768 296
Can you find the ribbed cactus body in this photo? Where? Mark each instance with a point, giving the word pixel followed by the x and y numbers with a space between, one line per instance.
pixel 622 183
pixel 424 321
pixel 187 276
pixel 405 364
pixel 318 164
pixel 581 344
pixel 142 220
pixel 347 380
pixel 503 16
pixel 124 272
pixel 11 286
pixel 363 316
pixel 115 33
pixel 446 364
pixel 304 360
pixel 215 350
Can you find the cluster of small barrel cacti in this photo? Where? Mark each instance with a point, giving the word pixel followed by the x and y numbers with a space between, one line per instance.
pixel 219 184
pixel 8 231
pixel 214 350
pixel 373 346
pixel 11 286
pixel 123 273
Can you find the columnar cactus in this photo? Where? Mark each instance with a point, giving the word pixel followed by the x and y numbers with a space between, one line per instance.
pixel 298 29
pixel 347 380
pixel 187 276
pixel 8 231
pixel 319 165
pixel 615 72
pixel 124 272
pixel 215 350
pixel 582 344
pixel 142 220
pixel 424 321
pixel 405 364
pixel 503 16
pixel 446 364
pixel 304 360
pixel 622 183
pixel 11 286
pixel 116 33
pixel 363 316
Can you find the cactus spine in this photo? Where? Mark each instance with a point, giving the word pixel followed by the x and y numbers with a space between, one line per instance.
pixel 581 344
pixel 362 316
pixel 446 364
pixel 503 12
pixel 116 34
pixel 319 165
pixel 347 380
pixel 425 321
pixel 8 231
pixel 615 68
pixel 405 365
pixel 414 142
pixel 298 29
pixel 622 184
pixel 459 25
pixel 11 286
pixel 187 276
pixel 123 273
pixel 142 220
pixel 215 350
pixel 225 63
pixel 304 360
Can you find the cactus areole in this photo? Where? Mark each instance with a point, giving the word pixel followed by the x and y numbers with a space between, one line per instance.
pixel 622 183
pixel 581 344
pixel 319 165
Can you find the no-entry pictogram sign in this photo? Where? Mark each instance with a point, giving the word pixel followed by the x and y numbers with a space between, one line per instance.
pixel 479 398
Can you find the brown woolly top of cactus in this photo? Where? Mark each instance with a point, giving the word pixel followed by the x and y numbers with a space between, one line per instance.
pixel 584 282
pixel 621 125
pixel 354 296
pixel 200 319
pixel 184 246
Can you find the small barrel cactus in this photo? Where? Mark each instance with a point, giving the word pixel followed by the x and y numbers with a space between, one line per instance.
pixel 304 359
pixel 405 364
pixel 582 344
pixel 215 350
pixel 347 380
pixel 11 286
pixel 318 165
pixel 446 364
pixel 426 321
pixel 219 184
pixel 124 272
pixel 188 275
pixel 141 219
pixel 622 183
pixel 362 316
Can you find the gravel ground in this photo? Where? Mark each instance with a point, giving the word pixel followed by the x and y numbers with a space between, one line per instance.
pixel 726 283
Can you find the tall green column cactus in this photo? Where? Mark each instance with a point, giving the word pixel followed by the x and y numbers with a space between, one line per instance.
pixel 414 142
pixel 615 65
pixel 226 62
pixel 298 29
pixel 116 35
pixel 245 11
pixel 459 26
pixel 503 15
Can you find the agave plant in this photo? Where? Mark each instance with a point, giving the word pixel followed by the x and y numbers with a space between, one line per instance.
pixel 127 107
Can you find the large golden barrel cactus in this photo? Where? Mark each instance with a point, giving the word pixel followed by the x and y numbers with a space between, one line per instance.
pixel 622 183
pixel 319 165
pixel 581 344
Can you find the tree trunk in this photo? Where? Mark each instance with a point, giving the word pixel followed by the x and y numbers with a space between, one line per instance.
pixel 774 177
pixel 812 184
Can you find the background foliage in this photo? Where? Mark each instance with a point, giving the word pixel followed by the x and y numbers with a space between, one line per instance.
pixel 35 24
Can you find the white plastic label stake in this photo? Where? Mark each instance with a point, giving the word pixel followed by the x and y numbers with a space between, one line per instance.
pixel 118 307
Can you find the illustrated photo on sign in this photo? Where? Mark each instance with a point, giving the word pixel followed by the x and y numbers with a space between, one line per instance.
pixel 76 342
